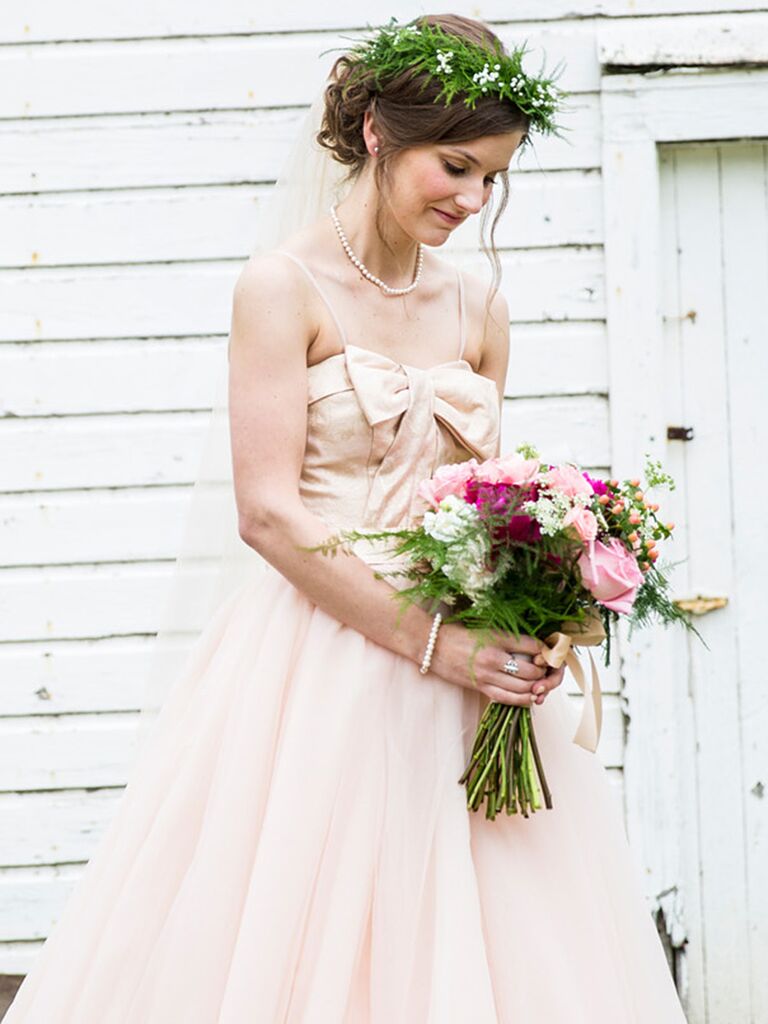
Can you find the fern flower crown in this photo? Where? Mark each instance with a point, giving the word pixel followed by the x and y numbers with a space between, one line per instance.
pixel 462 66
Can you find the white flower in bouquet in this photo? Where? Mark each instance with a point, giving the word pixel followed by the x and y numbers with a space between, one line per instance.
pixel 453 519
pixel 466 566
pixel 458 525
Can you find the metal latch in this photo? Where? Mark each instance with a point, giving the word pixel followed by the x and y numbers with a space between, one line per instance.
pixel 700 605
pixel 679 433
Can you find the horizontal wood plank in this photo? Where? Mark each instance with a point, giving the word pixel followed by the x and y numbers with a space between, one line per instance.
pixel 52 827
pixel 38 20
pixel 82 601
pixel 76 676
pixel 196 298
pixel 150 150
pixel 563 429
pixel 120 525
pixel 141 225
pixel 164 375
pixel 241 72
pixel 708 39
pixel 155 449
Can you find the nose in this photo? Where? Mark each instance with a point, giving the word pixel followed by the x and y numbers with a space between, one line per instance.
pixel 471 198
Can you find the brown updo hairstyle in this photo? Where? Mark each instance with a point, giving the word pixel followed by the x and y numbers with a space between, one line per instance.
pixel 405 114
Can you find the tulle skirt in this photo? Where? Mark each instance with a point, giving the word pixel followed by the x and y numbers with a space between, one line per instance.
pixel 294 846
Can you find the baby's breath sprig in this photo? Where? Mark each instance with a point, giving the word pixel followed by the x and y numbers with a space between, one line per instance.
pixel 464 68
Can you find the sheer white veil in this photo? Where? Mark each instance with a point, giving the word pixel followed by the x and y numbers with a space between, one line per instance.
pixel 212 561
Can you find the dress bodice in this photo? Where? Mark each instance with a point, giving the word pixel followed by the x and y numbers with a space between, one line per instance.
pixel 376 428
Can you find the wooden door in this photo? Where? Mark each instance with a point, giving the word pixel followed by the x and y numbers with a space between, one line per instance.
pixel 713 263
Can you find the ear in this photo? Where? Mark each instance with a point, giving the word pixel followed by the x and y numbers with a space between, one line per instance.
pixel 370 135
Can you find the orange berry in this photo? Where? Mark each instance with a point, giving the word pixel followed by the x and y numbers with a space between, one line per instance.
pixel 614 483
pixel 653 555
pixel 635 518
pixel 632 537
pixel 655 507
pixel 650 544
pixel 670 526
pixel 645 566
pixel 604 499
pixel 639 495
pixel 634 483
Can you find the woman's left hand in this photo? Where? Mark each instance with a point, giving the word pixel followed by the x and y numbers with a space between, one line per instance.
pixel 552 679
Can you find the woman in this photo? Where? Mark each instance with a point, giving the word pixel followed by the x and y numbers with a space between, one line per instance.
pixel 294 846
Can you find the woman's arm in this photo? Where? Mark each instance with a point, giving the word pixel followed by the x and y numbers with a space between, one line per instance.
pixel 270 334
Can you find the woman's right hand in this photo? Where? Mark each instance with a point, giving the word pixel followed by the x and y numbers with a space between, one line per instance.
pixel 452 661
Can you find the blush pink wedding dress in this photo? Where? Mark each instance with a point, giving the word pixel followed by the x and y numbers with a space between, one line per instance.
pixel 294 846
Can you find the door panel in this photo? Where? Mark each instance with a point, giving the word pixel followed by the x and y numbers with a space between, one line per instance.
pixel 714 267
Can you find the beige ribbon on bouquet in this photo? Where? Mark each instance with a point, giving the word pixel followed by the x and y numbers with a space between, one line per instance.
pixel 559 648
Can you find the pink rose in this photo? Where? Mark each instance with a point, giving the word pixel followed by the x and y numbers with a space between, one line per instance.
pixel 583 521
pixel 611 574
pixel 449 479
pixel 508 469
pixel 569 480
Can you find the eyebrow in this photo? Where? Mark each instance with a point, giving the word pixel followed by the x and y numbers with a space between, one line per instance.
pixel 473 159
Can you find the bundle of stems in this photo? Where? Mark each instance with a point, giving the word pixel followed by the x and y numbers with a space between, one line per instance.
pixel 505 768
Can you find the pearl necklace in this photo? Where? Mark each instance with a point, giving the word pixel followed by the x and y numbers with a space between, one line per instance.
pixel 366 272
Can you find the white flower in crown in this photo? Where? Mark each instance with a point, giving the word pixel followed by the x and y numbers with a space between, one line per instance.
pixel 444 60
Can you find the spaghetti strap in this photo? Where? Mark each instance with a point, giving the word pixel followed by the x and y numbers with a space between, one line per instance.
pixel 321 292
pixel 462 327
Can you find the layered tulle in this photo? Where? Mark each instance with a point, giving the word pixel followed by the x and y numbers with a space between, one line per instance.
pixel 294 847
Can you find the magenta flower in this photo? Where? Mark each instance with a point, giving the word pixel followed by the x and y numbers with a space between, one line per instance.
pixel 502 499
pixel 598 486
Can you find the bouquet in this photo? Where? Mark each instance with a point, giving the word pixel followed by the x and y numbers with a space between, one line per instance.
pixel 516 545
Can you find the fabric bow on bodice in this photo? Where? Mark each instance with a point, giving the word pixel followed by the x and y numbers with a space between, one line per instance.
pixel 377 428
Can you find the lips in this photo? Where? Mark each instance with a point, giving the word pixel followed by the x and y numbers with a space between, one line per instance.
pixel 447 217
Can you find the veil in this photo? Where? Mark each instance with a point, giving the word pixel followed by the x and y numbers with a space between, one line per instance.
pixel 212 560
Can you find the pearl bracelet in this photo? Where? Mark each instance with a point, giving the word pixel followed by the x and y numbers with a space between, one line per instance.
pixel 431 643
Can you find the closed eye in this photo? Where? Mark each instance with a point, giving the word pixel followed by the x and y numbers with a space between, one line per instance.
pixel 458 171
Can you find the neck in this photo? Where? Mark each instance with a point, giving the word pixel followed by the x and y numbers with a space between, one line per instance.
pixel 391 257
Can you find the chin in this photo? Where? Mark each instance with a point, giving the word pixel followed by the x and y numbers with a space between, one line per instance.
pixel 434 236
pixel 435 243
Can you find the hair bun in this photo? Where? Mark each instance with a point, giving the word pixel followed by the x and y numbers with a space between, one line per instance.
pixel 347 97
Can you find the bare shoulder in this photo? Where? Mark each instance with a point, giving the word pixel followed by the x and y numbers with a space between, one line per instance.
pixel 267 276
pixel 487 326
pixel 476 291
pixel 270 304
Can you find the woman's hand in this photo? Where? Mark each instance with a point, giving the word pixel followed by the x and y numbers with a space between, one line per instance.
pixel 453 652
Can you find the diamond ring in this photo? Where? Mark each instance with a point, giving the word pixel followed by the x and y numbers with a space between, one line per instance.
pixel 511 667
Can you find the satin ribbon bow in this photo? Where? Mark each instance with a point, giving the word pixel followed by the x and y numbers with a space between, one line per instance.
pixel 414 401
pixel 452 392
pixel 558 649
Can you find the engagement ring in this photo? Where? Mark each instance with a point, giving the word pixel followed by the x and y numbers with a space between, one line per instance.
pixel 511 667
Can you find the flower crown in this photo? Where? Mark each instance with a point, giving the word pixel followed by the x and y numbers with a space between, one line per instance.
pixel 465 67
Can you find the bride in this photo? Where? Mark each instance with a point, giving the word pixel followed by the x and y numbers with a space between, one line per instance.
pixel 293 846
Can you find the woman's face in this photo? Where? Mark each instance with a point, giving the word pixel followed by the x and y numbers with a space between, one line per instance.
pixel 434 188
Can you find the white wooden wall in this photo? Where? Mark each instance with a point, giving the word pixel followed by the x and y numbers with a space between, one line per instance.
pixel 136 140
